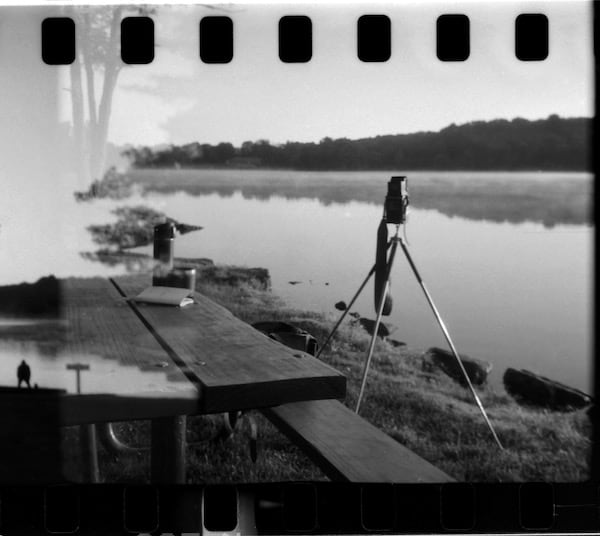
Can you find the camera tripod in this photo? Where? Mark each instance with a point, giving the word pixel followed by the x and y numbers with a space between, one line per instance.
pixel 393 244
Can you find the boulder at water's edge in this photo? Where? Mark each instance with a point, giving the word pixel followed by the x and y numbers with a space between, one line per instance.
pixel 531 388
pixel 477 369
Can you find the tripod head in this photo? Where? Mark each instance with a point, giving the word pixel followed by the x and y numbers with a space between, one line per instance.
pixel 396 200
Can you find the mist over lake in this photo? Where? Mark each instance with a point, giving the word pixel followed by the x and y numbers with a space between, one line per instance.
pixel 545 197
pixel 507 257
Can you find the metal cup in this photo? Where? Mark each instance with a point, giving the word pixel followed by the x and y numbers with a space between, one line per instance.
pixel 182 277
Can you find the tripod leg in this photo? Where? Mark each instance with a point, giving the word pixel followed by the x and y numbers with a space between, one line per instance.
pixel 346 311
pixel 449 340
pixel 386 289
pixel 337 325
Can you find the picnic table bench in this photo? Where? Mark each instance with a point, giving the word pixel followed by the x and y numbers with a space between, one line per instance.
pixel 349 448
pixel 163 363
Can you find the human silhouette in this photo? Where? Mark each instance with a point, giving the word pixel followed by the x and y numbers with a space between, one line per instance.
pixel 24 374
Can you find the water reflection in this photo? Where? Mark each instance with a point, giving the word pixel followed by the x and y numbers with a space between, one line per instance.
pixel 104 376
pixel 546 198
pixel 43 338
pixel 48 344
pixel 516 295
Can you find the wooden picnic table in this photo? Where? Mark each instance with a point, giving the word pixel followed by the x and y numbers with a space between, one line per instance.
pixel 162 363
pixel 207 358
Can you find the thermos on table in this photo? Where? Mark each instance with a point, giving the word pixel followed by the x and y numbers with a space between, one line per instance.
pixel 165 273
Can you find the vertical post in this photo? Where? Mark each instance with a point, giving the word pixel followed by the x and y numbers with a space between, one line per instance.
pixel 167 457
pixel 87 435
pixel 89 453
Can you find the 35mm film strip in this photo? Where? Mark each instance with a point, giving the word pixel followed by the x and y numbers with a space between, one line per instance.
pixel 373 39
pixel 306 508
pixel 273 130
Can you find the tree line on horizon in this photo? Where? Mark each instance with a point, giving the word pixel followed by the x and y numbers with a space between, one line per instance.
pixel 554 143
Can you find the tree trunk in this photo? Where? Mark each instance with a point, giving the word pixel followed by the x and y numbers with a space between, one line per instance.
pixel 89 70
pixel 79 145
pixel 111 71
pixel 91 91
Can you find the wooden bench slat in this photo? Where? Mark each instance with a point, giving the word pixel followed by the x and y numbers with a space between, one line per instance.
pixel 237 366
pixel 347 447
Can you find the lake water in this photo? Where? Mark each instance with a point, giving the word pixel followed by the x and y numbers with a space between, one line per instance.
pixel 49 369
pixel 506 257
pixel 516 294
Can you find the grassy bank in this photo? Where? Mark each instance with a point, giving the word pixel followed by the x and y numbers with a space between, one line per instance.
pixel 427 412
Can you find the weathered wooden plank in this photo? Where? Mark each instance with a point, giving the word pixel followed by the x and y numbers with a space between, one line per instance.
pixel 349 448
pixel 125 359
pixel 238 366
pixel 81 409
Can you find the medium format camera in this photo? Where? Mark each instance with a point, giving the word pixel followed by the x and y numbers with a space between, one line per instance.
pixel 396 200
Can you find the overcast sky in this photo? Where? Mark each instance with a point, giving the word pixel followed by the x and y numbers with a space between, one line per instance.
pixel 178 99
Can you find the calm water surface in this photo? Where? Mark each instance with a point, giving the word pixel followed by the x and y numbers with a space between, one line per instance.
pixel 517 294
pixel 48 369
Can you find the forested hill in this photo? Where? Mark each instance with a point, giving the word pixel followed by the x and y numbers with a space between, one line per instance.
pixel 554 143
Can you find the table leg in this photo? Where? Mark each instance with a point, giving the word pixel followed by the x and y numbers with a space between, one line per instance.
pixel 89 452
pixel 167 458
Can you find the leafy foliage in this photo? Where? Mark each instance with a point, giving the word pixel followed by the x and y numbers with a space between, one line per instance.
pixel 134 227
pixel 39 299
pixel 554 143
pixel 113 185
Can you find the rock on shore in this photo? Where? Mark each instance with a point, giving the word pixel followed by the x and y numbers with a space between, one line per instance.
pixel 525 386
pixel 477 369
pixel 369 326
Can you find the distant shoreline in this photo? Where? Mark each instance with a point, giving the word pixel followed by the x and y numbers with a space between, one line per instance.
pixel 361 170
pixel 552 144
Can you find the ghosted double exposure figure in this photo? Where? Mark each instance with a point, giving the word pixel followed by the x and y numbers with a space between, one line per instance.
pixel 24 374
